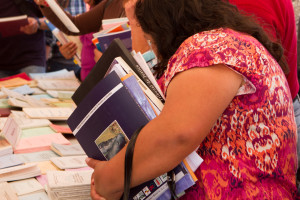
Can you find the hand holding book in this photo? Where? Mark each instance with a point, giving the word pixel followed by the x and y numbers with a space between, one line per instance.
pixel 68 50
pixel 31 28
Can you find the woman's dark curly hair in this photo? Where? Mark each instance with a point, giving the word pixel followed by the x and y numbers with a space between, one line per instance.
pixel 170 22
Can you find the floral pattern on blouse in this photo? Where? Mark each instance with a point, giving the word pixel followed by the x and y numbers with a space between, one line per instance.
pixel 250 152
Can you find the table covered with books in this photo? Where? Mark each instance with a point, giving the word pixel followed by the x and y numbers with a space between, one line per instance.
pixel 50 123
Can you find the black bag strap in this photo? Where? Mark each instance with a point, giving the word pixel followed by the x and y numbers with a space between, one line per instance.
pixel 128 169
pixel 128 163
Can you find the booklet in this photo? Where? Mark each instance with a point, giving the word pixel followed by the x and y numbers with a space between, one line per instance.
pixel 10 26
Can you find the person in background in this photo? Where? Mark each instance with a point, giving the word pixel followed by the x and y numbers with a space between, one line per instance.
pixel 88 22
pixel 226 91
pixel 88 48
pixel 25 52
pixel 62 56
pixel 277 17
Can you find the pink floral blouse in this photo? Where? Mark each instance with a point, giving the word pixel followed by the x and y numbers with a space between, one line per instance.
pixel 250 152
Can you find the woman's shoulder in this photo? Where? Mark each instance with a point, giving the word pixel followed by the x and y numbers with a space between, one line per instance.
pixel 220 36
pixel 217 45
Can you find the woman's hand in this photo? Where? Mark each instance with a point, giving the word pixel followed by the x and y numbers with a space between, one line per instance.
pixel 97 54
pixel 41 3
pixel 97 190
pixel 68 50
pixel 31 28
pixel 129 6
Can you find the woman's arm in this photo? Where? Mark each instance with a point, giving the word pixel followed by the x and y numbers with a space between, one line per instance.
pixel 88 22
pixel 196 98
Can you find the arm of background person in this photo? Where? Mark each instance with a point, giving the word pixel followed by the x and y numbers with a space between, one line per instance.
pixel 88 22
pixel 31 28
pixel 195 99
pixel 68 50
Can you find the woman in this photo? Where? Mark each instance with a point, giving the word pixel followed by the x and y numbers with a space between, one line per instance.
pixel 88 48
pixel 87 23
pixel 225 92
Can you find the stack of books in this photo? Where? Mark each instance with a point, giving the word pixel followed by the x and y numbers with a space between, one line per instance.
pixel 116 98
pixel 71 185
pixel 112 29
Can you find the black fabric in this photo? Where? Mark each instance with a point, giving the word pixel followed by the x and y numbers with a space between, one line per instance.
pixel 20 51
pixel 28 7
pixel 128 163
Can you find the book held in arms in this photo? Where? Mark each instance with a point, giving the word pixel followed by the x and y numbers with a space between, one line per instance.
pixel 120 66
pixel 110 115
pixel 103 123
pixel 115 49
pixel 10 26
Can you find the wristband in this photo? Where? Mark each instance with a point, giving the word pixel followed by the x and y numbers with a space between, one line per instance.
pixel 38 21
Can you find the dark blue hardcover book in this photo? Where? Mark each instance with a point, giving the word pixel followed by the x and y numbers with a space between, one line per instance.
pixel 106 118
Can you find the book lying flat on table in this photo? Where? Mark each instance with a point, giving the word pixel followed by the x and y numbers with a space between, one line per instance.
pixel 69 184
pixel 10 26
pixel 19 172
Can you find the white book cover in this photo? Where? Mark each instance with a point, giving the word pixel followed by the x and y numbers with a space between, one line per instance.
pixel 58 179
pixel 38 196
pixel 68 85
pixel 26 186
pixel 7 192
pixel 10 161
pixel 69 162
pixel 67 150
pixel 51 113
pixel 19 172
pixel 62 16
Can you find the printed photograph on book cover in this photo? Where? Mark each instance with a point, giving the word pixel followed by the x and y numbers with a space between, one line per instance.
pixel 111 140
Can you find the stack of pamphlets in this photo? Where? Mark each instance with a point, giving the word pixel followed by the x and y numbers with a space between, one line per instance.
pixel 67 185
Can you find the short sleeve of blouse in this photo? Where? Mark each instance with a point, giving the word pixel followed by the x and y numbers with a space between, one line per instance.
pixel 221 46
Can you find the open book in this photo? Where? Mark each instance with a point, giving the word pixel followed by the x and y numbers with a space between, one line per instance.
pixel 10 26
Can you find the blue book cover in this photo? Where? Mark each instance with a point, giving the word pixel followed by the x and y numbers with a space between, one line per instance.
pixel 124 36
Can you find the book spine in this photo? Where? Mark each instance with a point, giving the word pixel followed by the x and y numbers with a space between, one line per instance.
pixel 154 99
pixel 138 95
pixel 139 71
